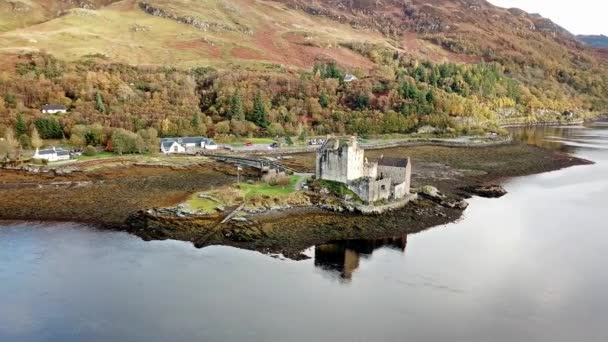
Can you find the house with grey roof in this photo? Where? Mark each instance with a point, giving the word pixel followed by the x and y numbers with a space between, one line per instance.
pixel 52 154
pixel 349 78
pixel 186 145
pixel 54 109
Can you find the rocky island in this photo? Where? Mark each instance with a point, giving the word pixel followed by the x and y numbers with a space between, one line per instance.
pixel 198 199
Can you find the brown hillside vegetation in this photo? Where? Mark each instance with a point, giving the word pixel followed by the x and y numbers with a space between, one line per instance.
pixel 257 67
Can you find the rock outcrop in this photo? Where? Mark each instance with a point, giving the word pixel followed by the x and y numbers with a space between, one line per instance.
pixel 487 191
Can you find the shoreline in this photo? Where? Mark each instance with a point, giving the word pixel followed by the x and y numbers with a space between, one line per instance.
pixel 112 196
pixel 546 123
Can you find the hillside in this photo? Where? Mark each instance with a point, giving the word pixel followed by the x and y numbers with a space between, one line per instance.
pixel 599 41
pixel 16 14
pixel 256 67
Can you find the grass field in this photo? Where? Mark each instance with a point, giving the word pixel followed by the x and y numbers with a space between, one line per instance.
pixel 236 194
pixel 269 34
pixel 100 155
pixel 242 142
pixel 196 203
pixel 263 189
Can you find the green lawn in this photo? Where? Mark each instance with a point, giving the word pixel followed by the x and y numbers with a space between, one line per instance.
pixel 263 189
pixel 195 203
pixel 100 155
pixel 242 142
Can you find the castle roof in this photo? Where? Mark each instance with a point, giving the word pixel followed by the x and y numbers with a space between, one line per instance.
pixel 337 143
pixel 393 162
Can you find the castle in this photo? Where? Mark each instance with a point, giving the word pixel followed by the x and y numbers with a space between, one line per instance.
pixel 343 161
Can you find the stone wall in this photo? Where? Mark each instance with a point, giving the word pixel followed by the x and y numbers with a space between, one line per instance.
pixel 340 162
pixel 401 190
pixel 398 175
pixel 370 190
pixel 370 170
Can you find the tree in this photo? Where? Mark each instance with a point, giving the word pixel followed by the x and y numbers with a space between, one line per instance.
pixel 324 100
pixel 222 127
pixel 258 115
pixel 10 143
pixel 49 128
pixel 78 140
pixel 149 140
pixel 36 141
pixel 24 142
pixel 275 129
pixel 124 141
pixel 20 126
pixel 90 151
pixel 99 104
pixel 236 107
pixel 196 121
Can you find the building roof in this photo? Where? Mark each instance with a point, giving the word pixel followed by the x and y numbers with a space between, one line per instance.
pixel 59 152
pixel 167 142
pixel 337 143
pixel 54 107
pixel 350 78
pixel 393 162
pixel 46 152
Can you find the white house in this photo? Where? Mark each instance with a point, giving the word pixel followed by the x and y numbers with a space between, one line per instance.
pixel 186 144
pixel 53 154
pixel 54 109
pixel 349 78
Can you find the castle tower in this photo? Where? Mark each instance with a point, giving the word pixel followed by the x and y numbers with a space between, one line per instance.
pixel 340 160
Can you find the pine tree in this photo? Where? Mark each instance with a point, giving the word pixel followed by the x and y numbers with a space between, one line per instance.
pixel 324 100
pixel 236 107
pixel 196 123
pixel 430 97
pixel 20 126
pixel 99 105
pixel 259 115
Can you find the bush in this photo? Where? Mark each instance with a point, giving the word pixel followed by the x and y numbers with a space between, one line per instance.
pixel 90 151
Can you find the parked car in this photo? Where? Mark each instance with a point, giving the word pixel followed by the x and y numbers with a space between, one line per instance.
pixel 249 143
pixel 315 142
pixel 274 145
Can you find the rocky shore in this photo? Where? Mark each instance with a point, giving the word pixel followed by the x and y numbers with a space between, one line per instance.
pixel 123 197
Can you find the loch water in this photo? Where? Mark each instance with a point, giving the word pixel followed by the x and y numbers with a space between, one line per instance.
pixel 530 266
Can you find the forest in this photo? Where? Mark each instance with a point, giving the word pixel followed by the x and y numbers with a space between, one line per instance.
pixel 137 104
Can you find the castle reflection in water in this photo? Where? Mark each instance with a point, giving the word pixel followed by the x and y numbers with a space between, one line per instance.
pixel 342 258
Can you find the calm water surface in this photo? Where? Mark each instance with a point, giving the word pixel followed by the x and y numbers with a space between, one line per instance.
pixel 530 266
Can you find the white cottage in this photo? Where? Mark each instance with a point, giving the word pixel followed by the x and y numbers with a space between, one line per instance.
pixel 186 145
pixel 52 154
pixel 54 109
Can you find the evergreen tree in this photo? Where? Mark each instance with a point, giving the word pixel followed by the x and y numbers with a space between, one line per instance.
pixel 20 126
pixel 236 106
pixel 324 100
pixel 430 97
pixel 259 115
pixel 99 104
pixel 49 128
pixel 196 123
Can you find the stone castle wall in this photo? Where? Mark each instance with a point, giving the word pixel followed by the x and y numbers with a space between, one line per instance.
pixel 340 163
pixel 371 190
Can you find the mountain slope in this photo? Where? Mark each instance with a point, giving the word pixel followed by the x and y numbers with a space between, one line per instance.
pixel 460 65
pixel 23 13
pixel 599 41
